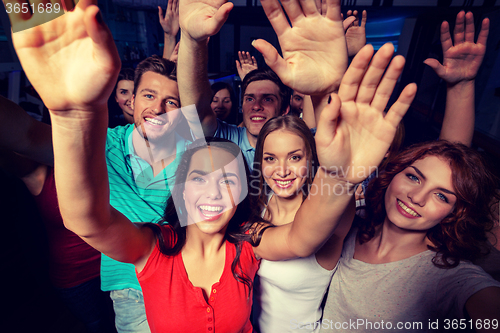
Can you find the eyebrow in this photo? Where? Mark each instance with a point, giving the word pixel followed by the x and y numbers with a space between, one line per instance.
pixel 149 90
pixel 423 177
pixel 290 153
pixel 204 173
pixel 263 95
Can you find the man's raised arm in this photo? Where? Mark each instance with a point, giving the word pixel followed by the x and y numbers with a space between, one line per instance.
pixel 199 19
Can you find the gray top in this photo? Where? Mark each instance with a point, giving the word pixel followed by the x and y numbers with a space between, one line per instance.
pixel 404 296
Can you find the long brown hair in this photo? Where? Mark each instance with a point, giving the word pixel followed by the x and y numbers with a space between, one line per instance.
pixel 462 234
pixel 175 211
pixel 258 186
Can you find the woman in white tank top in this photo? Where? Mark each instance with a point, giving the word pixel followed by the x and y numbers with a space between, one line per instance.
pixel 288 294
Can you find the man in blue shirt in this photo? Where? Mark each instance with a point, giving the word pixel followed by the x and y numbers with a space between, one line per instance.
pixel 264 97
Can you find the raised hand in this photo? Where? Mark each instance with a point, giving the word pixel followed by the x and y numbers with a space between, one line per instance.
pixel 356 34
pixel 314 48
pixel 352 140
pixel 246 64
pixel 72 60
pixel 461 56
pixel 170 21
pixel 200 19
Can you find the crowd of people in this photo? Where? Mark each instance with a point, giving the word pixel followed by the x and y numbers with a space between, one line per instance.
pixel 305 214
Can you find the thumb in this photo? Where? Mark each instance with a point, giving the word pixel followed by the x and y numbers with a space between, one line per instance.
pixel 435 65
pixel 104 48
pixel 271 56
pixel 328 121
pixel 348 21
pixel 220 17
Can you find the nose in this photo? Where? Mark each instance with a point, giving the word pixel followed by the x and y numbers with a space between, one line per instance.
pixel 218 104
pixel 213 190
pixel 257 106
pixel 283 170
pixel 418 197
pixel 158 107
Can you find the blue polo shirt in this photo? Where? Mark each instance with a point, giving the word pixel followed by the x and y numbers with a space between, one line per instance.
pixel 239 136
pixel 136 193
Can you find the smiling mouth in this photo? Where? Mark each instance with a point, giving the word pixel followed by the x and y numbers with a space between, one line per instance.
pixel 256 118
pixel 407 209
pixel 154 121
pixel 210 212
pixel 284 183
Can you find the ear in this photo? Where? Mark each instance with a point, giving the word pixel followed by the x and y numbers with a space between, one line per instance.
pixel 286 111
pixel 132 100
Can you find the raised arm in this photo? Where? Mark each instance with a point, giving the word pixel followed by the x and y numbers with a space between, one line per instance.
pixel 352 138
pixel 199 19
pixel 461 61
pixel 24 135
pixel 170 25
pixel 53 55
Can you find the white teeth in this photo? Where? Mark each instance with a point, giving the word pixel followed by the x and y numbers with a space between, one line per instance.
pixel 258 118
pixel 283 182
pixel 154 121
pixel 408 209
pixel 211 208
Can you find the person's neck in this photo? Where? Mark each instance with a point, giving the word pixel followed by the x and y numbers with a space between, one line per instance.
pixel 251 139
pixel 159 154
pixel 202 244
pixel 283 210
pixel 392 243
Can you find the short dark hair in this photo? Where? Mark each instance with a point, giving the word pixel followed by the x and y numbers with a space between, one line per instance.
pixel 157 65
pixel 267 74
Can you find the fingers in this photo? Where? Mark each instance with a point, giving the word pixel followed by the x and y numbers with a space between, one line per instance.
pixel 386 86
pixel 373 75
pixel 356 21
pixel 333 10
pixel 351 80
pixel 469 27
pixel 446 42
pixel 245 58
pixel 328 119
pixel 105 51
pixel 275 15
pixel 220 17
pixel 308 7
pixel 459 31
pixel 364 16
pixel 348 22
pixel 271 56
pixel 483 33
pixel 160 13
pixel 401 106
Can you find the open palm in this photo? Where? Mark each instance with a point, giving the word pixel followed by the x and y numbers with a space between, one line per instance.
pixel 314 48
pixel 202 19
pixel 73 55
pixel 461 56
pixel 353 138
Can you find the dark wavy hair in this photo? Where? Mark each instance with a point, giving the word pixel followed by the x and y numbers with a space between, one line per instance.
pixel 267 74
pixel 259 189
pixel 175 211
pixel 462 234
pixel 157 65
pixel 232 118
